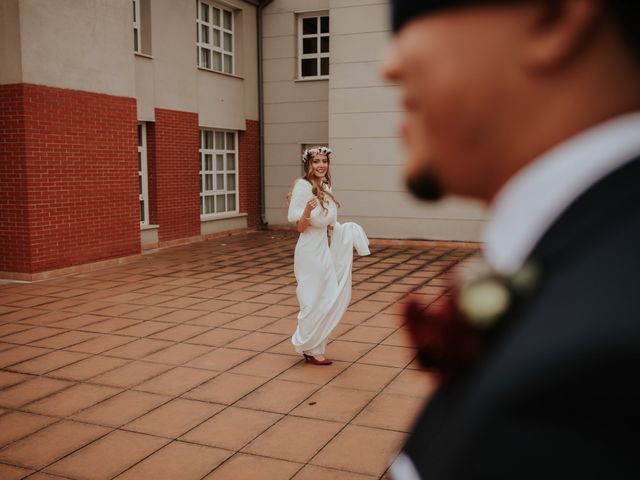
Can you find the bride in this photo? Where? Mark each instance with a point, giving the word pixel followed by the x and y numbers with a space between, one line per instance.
pixel 323 272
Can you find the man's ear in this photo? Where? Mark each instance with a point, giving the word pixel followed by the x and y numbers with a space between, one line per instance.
pixel 560 29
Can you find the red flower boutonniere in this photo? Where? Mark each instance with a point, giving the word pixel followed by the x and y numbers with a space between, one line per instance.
pixel 452 336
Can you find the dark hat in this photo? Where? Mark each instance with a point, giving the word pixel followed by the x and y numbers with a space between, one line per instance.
pixel 402 11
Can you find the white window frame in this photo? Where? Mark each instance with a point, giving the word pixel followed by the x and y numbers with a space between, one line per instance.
pixel 143 173
pixel 209 26
pixel 137 47
pixel 214 151
pixel 318 55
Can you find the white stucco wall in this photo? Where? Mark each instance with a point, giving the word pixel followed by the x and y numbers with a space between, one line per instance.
pixel 358 114
pixel 78 44
pixel 88 45
pixel 296 112
pixel 10 55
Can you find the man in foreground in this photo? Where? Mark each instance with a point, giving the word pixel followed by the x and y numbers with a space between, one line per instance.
pixel 533 107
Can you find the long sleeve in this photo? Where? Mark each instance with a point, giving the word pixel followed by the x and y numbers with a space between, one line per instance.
pixel 299 197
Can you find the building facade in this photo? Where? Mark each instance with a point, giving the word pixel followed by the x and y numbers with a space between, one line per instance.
pixel 348 106
pixel 124 125
pixel 128 125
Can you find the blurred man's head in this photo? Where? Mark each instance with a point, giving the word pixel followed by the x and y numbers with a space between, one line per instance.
pixel 490 85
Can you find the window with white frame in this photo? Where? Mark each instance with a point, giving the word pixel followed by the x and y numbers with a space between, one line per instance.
pixel 142 174
pixel 215 37
pixel 313 46
pixel 136 26
pixel 218 172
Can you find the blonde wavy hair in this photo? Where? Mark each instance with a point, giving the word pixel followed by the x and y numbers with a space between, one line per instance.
pixel 320 189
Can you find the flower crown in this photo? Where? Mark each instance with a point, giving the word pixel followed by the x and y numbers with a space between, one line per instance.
pixel 310 153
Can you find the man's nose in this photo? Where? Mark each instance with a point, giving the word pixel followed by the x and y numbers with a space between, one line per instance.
pixel 390 68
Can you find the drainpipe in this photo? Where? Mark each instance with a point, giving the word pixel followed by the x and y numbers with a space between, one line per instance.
pixel 260 6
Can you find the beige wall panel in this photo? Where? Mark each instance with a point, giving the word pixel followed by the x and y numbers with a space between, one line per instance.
pixel 174 54
pixel 250 62
pixel 360 19
pixel 363 47
pixel 356 75
pixel 364 116
pixel 277 204
pixel 10 54
pixel 296 132
pixel 282 154
pixel 277 197
pixel 296 112
pixel 279 24
pixel 145 94
pixel 277 216
pixel 399 228
pixel 364 125
pixel 283 176
pixel 365 99
pixel 368 151
pixel 220 101
pixel 279 47
pixel 223 225
pixel 423 229
pixel 278 92
pixel 280 69
pixel 64 42
pixel 360 203
pixel 357 3
pixel 368 179
pixel 284 6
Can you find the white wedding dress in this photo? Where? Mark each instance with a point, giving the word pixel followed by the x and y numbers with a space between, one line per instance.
pixel 323 274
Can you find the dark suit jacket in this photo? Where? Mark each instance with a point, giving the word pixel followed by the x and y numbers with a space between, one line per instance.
pixel 558 397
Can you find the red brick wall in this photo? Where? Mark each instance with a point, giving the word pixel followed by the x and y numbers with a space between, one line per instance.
pixel 81 169
pixel 68 177
pixel 15 254
pixel 176 199
pixel 249 152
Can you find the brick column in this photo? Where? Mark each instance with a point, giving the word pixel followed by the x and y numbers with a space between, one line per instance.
pixel 174 180
pixel 249 181
pixel 14 221
pixel 75 168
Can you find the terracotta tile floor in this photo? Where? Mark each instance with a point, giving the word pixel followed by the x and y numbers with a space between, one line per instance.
pixel 179 367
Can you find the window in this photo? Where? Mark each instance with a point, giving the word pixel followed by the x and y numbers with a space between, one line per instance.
pixel 142 27
pixel 313 46
pixel 136 26
pixel 142 174
pixel 215 38
pixel 218 172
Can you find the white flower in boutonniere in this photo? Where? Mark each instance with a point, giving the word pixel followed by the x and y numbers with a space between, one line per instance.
pixel 484 302
pixel 485 297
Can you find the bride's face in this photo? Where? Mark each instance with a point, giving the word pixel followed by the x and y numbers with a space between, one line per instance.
pixel 320 166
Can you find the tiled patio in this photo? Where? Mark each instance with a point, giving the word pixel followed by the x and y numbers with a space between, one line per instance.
pixel 179 367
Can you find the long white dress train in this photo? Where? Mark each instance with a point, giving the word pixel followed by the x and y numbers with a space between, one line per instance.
pixel 323 274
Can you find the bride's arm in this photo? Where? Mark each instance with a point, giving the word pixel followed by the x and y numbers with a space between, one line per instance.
pixel 301 204
pixel 305 220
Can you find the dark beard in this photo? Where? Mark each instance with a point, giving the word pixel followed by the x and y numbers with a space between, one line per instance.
pixel 425 186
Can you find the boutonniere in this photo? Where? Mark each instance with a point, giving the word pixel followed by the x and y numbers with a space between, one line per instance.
pixel 453 334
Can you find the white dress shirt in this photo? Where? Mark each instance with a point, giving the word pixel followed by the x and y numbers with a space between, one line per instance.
pixel 536 196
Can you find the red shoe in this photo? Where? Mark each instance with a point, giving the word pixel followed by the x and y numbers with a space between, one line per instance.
pixel 315 361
